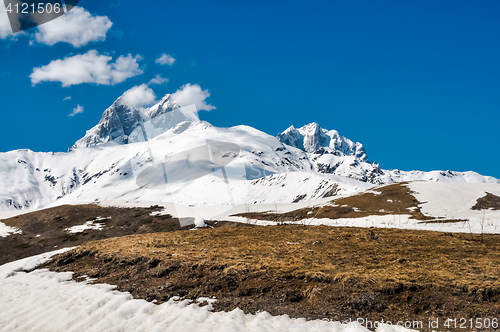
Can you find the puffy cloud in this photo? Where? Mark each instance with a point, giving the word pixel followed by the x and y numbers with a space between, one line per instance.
pixel 77 27
pixel 142 96
pixel 158 80
pixel 77 110
pixel 90 67
pixel 192 94
pixel 165 59
pixel 138 97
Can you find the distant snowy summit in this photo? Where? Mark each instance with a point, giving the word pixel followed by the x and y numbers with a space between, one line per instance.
pixel 314 139
pixel 330 153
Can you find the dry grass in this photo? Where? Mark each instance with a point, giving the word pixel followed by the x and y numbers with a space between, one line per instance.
pixel 335 253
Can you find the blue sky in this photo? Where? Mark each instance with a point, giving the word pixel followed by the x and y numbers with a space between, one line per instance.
pixel 418 83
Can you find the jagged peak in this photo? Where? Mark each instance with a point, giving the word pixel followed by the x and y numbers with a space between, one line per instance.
pixel 312 138
pixel 119 120
pixel 290 129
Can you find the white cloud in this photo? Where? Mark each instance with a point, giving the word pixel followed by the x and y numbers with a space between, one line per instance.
pixel 165 59
pixel 158 80
pixel 78 28
pixel 192 94
pixel 77 110
pixel 67 98
pixel 88 68
pixel 138 97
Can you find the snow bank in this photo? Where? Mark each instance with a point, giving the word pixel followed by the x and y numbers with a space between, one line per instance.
pixel 10 269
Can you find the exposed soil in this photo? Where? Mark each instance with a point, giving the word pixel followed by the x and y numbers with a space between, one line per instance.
pixel 44 230
pixel 487 202
pixel 313 272
pixel 387 200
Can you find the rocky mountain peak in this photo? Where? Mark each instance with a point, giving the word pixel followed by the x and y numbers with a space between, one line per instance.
pixel 313 139
pixel 166 104
pixel 120 120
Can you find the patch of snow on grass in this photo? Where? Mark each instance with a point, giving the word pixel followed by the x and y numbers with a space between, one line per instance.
pixel 7 230
pixel 89 225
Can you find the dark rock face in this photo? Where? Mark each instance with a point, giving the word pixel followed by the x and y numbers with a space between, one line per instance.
pixel 117 122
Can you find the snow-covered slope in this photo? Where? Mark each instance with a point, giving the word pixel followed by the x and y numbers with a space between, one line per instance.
pixel 455 200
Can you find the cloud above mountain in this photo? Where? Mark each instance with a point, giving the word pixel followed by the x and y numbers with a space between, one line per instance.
pixel 78 28
pixel 142 96
pixel 192 94
pixel 90 67
pixel 138 97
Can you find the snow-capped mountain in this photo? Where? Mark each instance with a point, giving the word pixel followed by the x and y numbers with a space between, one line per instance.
pixel 120 120
pixel 265 170
pixel 110 161
pixel 312 138
pixel 330 153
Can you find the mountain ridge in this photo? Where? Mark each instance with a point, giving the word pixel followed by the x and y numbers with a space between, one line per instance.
pixel 299 164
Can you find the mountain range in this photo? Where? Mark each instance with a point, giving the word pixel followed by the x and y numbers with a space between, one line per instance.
pixel 298 164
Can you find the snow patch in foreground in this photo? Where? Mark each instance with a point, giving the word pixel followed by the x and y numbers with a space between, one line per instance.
pixel 30 263
pixel 49 301
pixel 7 230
